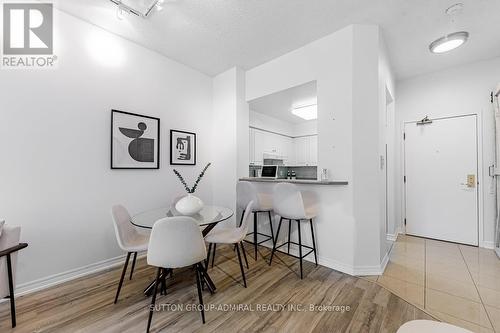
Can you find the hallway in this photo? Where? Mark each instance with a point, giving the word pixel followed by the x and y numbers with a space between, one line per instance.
pixel 456 283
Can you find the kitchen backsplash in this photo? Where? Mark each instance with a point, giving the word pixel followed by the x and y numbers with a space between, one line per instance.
pixel 302 172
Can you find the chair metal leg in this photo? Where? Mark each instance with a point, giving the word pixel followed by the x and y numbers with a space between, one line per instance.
pixel 213 255
pixel 153 299
pixel 300 247
pixel 241 267
pixel 199 273
pixel 275 241
pixel 123 275
pixel 164 282
pixel 244 253
pixel 314 242
pixel 271 225
pixel 289 233
pixel 255 234
pixel 133 265
pixel 241 219
pixel 11 292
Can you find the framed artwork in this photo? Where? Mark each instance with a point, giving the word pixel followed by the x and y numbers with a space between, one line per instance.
pixel 182 148
pixel 135 141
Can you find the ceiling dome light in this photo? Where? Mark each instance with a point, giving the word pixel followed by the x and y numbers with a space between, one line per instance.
pixel 449 42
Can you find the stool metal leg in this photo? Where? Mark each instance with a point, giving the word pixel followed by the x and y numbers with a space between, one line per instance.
pixel 300 247
pixel 275 241
pixel 255 233
pixel 289 233
pixel 271 225
pixel 314 242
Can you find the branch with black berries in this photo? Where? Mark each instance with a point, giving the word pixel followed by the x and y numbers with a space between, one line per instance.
pixel 193 189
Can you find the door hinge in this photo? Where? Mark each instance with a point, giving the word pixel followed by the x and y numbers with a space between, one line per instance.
pixel 404 136
pixel 405 221
pixel 404 179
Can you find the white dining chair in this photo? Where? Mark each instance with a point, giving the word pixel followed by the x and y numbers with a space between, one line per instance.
pixel 176 242
pixel 232 235
pixel 430 326
pixel 9 246
pixel 129 240
pixel 289 205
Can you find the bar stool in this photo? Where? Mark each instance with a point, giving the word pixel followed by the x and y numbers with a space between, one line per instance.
pixel 247 192
pixel 289 205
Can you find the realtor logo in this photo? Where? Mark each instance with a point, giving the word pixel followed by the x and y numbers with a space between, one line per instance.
pixel 28 29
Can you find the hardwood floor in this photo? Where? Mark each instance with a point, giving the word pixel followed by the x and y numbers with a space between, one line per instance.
pixel 86 304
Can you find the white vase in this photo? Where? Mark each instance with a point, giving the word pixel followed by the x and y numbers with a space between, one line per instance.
pixel 189 205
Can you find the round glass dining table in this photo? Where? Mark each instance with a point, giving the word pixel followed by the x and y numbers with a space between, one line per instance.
pixel 208 217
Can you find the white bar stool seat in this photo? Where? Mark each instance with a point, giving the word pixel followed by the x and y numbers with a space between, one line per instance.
pixel 262 203
pixel 289 204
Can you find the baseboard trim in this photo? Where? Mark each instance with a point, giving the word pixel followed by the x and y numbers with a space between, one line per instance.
pixel 345 268
pixel 55 279
pixel 392 237
pixel 487 245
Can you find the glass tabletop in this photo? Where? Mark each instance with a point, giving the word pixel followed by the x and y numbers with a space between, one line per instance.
pixel 208 215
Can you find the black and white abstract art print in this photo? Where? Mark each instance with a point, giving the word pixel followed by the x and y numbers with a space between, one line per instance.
pixel 182 148
pixel 135 141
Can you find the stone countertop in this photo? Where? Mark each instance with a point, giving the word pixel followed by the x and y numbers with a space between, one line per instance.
pixel 296 181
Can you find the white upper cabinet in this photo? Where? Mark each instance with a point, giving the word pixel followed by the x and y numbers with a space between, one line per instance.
pixel 251 142
pixel 302 151
pixel 306 151
pixel 313 150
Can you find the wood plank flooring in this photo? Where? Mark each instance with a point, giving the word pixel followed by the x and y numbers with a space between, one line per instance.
pixel 86 304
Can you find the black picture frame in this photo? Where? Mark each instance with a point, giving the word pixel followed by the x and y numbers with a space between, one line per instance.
pixel 173 160
pixel 157 139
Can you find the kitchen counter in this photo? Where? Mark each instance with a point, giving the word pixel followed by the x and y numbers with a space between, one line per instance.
pixel 295 181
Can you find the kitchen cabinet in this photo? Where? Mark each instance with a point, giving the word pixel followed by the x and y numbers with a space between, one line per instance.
pixel 301 151
pixel 251 142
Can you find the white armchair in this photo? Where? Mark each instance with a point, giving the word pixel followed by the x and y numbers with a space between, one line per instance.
pixel 9 245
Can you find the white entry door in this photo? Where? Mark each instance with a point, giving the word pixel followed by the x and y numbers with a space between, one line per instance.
pixel 441 179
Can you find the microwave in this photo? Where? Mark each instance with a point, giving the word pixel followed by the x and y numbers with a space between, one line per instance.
pixel 269 171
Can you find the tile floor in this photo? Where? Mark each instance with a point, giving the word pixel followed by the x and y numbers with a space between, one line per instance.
pixel 455 283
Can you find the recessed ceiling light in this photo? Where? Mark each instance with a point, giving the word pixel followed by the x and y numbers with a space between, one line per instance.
pixel 307 112
pixel 449 42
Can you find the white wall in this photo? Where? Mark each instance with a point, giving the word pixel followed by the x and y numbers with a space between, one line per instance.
pixel 230 116
pixel 345 65
pixel 265 122
pixel 456 91
pixel 55 172
pixel 272 124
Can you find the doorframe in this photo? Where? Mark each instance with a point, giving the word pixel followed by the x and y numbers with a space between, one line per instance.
pixel 479 172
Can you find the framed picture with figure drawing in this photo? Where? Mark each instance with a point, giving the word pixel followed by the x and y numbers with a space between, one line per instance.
pixel 182 148
pixel 135 141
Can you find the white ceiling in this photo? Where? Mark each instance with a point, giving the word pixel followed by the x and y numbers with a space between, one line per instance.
pixel 215 35
pixel 279 105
